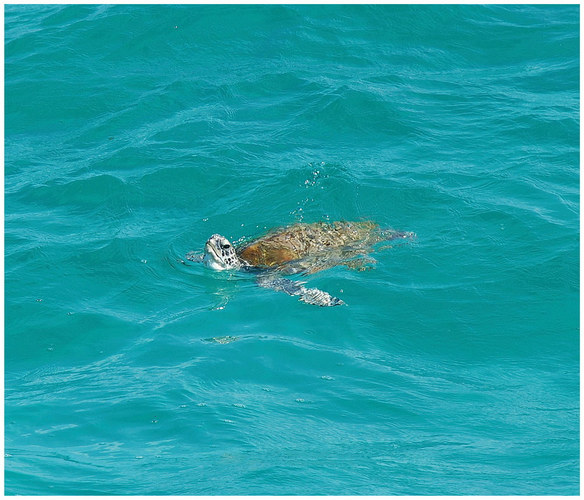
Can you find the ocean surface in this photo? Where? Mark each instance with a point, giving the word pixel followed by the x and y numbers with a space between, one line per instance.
pixel 133 133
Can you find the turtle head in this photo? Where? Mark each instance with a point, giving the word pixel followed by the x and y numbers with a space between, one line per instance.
pixel 220 254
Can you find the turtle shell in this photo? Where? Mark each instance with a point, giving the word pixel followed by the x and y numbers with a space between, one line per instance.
pixel 302 240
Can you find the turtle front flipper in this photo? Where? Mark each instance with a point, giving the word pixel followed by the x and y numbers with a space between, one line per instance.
pixel 195 257
pixel 308 295
pixel 319 298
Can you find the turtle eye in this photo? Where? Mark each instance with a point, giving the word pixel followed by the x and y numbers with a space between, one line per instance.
pixel 225 246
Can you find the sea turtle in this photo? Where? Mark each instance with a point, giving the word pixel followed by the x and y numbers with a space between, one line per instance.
pixel 300 248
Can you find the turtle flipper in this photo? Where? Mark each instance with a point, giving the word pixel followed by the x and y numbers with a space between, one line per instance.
pixel 195 257
pixel 280 284
pixel 319 298
pixel 309 295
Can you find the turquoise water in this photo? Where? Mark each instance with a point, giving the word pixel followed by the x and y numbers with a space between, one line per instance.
pixel 135 132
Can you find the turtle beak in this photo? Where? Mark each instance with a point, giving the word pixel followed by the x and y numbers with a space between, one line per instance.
pixel 212 258
pixel 210 249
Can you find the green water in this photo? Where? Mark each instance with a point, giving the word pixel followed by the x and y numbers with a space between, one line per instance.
pixel 133 133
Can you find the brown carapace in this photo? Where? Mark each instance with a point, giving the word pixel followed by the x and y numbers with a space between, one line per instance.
pixel 302 240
